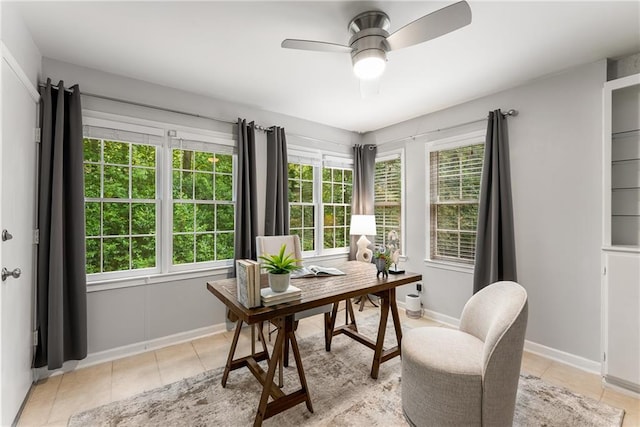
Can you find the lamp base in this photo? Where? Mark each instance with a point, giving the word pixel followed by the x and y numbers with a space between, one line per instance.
pixel 395 271
pixel 364 254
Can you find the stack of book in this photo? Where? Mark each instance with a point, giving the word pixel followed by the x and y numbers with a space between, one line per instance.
pixel 248 282
pixel 270 298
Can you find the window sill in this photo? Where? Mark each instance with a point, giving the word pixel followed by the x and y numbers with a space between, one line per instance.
pixel 109 284
pixel 451 266
pixel 326 257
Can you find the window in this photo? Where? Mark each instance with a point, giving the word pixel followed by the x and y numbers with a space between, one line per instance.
pixel 129 230
pixel 337 187
pixel 121 205
pixel 455 188
pixel 203 209
pixel 320 201
pixel 301 203
pixel 388 198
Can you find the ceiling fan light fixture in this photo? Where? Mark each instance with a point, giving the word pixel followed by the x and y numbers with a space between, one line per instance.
pixel 369 64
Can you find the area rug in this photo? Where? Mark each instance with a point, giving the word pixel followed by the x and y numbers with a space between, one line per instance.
pixel 342 393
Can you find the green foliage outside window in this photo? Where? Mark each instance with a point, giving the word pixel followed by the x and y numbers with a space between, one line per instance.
pixel 301 204
pixel 120 205
pixel 203 210
pixel 337 188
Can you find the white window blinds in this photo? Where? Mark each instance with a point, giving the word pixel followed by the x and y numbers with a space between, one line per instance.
pixel 455 176
pixel 388 198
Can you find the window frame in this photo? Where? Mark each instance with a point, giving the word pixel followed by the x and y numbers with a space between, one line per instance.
pixel 142 130
pixel 168 245
pixel 384 157
pixel 448 143
pixel 164 270
pixel 334 162
pixel 307 161
pixel 319 160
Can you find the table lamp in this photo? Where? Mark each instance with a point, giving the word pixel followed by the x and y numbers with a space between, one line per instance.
pixel 363 225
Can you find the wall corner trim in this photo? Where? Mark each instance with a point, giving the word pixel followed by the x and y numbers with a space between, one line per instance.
pixel 13 63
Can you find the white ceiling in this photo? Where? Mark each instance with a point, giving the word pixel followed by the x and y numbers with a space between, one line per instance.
pixel 231 50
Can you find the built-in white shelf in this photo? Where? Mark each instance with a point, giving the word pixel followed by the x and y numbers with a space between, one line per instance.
pixel 621 233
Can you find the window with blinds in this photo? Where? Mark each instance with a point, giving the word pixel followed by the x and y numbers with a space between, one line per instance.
pixel 455 188
pixel 388 199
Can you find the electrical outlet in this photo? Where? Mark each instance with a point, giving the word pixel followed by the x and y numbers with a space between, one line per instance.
pixel 419 287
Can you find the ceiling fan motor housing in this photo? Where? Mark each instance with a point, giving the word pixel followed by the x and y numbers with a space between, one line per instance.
pixel 369 31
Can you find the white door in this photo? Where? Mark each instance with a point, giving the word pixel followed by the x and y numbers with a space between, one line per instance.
pixel 17 194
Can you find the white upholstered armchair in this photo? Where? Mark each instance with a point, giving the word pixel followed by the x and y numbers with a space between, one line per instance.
pixel 468 376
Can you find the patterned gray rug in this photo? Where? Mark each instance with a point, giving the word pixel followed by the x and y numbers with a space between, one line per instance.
pixel 342 392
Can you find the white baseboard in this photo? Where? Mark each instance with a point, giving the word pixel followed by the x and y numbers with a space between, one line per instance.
pixel 621 390
pixel 442 318
pixel 579 362
pixel 140 347
pixel 130 350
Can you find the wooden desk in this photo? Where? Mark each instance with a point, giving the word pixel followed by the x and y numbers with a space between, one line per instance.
pixel 360 279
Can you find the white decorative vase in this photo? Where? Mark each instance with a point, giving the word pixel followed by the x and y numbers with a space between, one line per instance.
pixel 279 282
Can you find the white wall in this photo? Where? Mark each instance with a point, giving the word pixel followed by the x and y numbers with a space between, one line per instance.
pixel 17 38
pixel 133 315
pixel 555 149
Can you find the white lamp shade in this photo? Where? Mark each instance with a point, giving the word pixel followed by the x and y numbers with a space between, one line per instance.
pixel 364 225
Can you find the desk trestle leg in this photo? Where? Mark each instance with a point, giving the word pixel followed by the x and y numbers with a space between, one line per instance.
pixel 282 402
pixel 330 322
pixel 232 350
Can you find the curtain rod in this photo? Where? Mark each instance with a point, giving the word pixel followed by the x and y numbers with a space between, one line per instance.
pixel 155 107
pixel 510 112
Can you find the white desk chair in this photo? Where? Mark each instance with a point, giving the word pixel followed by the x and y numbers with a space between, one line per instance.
pixel 272 245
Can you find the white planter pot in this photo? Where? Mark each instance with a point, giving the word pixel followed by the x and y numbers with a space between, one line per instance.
pixel 279 282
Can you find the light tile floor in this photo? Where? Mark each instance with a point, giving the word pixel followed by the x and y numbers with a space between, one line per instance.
pixel 55 399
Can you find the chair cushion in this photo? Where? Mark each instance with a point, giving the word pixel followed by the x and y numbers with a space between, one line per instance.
pixel 441 387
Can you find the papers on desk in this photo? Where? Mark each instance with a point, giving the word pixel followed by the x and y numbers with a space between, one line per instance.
pixel 315 271
pixel 270 298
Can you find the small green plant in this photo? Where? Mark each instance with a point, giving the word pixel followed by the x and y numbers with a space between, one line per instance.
pixel 280 263
pixel 384 255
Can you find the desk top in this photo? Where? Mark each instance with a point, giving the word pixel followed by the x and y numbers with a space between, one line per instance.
pixel 360 279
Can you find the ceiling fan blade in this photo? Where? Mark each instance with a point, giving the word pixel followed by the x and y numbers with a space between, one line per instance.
pixel 430 26
pixel 315 45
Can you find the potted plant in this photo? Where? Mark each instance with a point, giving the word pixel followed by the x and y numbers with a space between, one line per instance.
pixel 382 259
pixel 279 268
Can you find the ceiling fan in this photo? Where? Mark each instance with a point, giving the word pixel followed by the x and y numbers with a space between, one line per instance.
pixel 370 41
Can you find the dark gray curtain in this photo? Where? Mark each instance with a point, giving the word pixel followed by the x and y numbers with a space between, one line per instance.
pixel 61 286
pixel 276 221
pixel 364 169
pixel 495 242
pixel 246 193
